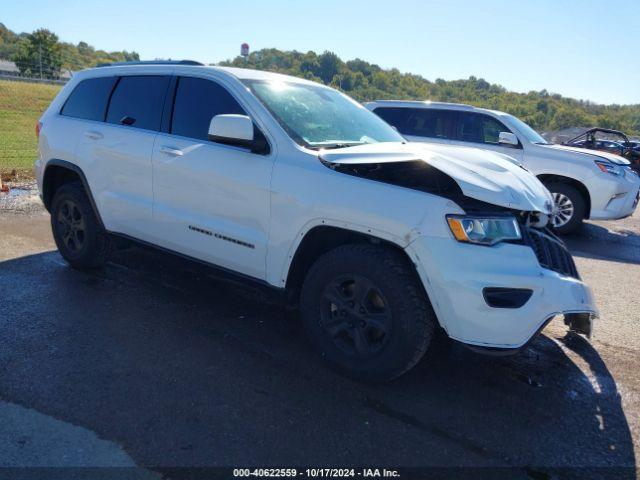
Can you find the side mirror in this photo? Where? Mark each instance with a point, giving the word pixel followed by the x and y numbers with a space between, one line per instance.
pixel 507 138
pixel 231 130
pixel 238 130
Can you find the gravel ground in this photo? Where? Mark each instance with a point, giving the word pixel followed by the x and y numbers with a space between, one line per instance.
pixel 154 362
pixel 21 198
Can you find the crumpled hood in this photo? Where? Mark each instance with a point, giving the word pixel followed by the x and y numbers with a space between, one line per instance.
pixel 481 174
pixel 589 154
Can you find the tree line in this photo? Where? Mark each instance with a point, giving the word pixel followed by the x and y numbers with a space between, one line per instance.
pixel 41 54
pixel 365 81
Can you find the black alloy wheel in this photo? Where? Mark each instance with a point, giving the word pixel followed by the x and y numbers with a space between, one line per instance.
pixel 356 315
pixel 70 226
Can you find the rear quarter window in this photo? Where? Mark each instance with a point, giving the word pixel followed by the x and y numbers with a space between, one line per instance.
pixel 89 98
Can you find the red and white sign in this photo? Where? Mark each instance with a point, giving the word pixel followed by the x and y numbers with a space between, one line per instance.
pixel 244 49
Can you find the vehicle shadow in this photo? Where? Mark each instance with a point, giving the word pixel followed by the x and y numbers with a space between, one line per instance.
pixel 182 370
pixel 553 409
pixel 596 241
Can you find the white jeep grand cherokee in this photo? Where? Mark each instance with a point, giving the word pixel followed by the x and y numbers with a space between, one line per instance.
pixel 584 183
pixel 296 186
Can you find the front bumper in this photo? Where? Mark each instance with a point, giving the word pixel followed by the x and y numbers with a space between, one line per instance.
pixel 616 197
pixel 455 274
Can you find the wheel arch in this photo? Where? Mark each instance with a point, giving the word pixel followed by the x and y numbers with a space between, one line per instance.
pixel 547 178
pixel 57 173
pixel 320 239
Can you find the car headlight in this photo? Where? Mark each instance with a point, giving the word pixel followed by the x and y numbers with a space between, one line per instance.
pixel 483 230
pixel 607 167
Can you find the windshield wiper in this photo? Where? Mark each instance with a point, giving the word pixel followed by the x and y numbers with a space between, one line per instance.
pixel 340 145
pixel 335 145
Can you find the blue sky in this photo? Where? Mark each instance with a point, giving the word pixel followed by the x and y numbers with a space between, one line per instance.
pixel 582 48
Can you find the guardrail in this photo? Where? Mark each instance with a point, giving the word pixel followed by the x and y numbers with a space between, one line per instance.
pixel 20 78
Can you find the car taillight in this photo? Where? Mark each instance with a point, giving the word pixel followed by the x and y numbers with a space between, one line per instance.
pixel 38 127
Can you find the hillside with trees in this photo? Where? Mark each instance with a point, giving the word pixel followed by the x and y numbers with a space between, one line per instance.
pixel 366 81
pixel 362 80
pixel 42 49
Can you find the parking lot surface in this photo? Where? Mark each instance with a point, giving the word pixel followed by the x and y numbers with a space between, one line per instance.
pixel 155 362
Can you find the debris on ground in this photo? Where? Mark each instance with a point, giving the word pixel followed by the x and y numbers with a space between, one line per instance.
pixel 19 195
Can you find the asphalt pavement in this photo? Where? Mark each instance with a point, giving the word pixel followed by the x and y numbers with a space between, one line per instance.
pixel 155 362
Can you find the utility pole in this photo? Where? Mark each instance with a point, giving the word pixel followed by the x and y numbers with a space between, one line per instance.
pixel 40 55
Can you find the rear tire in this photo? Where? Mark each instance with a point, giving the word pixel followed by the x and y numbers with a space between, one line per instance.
pixel 80 238
pixel 366 312
pixel 569 209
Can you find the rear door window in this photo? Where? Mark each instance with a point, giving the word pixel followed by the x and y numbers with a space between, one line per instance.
pixel 138 101
pixel 479 128
pixel 89 98
pixel 419 122
pixel 197 101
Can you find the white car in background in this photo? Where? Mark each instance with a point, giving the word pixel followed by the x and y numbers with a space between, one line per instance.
pixel 584 183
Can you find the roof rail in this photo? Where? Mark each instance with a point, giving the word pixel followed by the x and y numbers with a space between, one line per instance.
pixel 151 62
pixel 428 102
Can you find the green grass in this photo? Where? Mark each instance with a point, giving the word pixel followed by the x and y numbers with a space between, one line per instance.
pixel 21 105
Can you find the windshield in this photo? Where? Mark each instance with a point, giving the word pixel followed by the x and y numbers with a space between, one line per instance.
pixel 527 132
pixel 318 117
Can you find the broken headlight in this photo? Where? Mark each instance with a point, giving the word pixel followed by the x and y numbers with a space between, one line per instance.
pixel 483 230
pixel 607 167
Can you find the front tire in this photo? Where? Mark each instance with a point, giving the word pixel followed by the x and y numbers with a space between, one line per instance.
pixel 569 209
pixel 366 313
pixel 80 238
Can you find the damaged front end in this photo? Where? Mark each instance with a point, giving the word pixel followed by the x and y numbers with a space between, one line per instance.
pixel 420 175
pixel 494 294
pixel 581 322
pixel 451 172
pixel 413 174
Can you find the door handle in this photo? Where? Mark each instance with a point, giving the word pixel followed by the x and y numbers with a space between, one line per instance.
pixel 173 152
pixel 93 135
pixel 127 120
